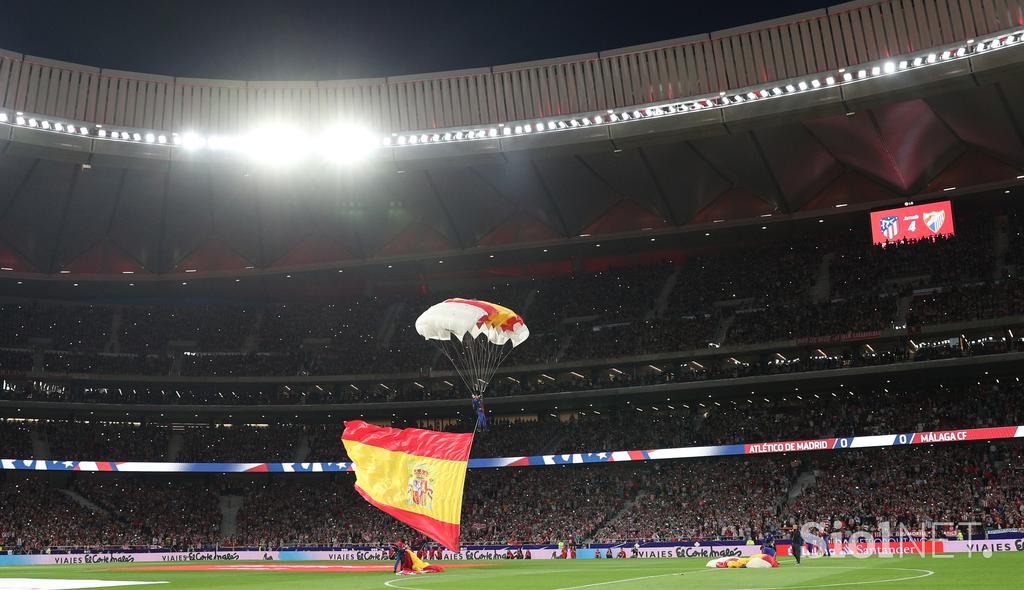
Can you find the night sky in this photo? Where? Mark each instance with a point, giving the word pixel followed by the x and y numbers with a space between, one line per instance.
pixel 323 39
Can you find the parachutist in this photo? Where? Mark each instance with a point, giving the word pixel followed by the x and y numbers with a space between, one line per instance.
pixel 476 336
pixel 481 416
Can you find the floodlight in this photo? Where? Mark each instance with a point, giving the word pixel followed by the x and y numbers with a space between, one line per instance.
pixel 347 143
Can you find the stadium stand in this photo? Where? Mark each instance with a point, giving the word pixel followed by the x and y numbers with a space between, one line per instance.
pixel 698 305
pixel 811 414
pixel 703 499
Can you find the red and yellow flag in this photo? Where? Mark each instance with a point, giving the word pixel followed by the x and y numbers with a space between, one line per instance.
pixel 415 475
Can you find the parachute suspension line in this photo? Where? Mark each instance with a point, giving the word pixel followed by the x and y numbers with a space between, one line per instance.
pixel 476 360
pixel 457 355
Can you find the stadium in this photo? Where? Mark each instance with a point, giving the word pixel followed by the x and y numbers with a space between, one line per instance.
pixel 737 310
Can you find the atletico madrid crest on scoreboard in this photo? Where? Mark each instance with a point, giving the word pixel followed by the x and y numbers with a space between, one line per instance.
pixel 890 227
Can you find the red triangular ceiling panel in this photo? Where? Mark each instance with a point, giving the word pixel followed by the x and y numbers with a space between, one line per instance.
pixel 212 256
pixel 971 169
pixel 316 249
pixel 625 216
pixel 416 239
pixel 104 258
pixel 12 260
pixel 735 203
pixel 520 227
pixel 850 188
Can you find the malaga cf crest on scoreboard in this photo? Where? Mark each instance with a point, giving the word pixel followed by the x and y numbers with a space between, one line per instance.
pixel 934 220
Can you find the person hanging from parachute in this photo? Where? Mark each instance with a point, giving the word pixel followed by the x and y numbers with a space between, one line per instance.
pixel 476 336
pixel 481 415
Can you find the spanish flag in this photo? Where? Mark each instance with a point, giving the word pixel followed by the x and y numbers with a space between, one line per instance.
pixel 415 475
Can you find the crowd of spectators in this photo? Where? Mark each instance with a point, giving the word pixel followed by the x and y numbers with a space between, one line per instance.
pixel 37 517
pixel 861 268
pixel 820 413
pixel 16 439
pixel 962 303
pixel 728 498
pixel 549 503
pixel 564 378
pixel 63 327
pixel 755 294
pixel 791 321
pixel 331 514
pixel 151 328
pixel 181 514
pixel 914 487
pixel 105 441
pixel 245 444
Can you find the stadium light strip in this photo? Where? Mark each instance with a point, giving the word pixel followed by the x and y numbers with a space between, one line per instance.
pixel 765 448
pixel 791 87
pixel 354 142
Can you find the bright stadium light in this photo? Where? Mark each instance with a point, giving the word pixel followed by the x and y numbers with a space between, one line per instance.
pixel 191 141
pixel 347 143
pixel 276 145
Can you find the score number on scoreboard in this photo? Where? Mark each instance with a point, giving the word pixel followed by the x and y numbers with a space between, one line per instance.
pixel 916 222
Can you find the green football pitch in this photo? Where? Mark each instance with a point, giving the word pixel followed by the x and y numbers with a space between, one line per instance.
pixel 960 571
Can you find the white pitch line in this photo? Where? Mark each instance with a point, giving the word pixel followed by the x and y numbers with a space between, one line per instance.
pixel 489 573
pixel 839 584
pixel 636 579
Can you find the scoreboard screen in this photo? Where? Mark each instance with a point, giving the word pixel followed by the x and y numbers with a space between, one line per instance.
pixel 916 222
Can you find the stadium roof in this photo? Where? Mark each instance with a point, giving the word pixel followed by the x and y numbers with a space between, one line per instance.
pixel 862 104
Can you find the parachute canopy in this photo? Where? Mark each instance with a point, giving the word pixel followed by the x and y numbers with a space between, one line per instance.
pixel 459 317
pixel 476 336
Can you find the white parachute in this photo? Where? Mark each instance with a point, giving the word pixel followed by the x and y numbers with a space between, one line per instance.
pixel 476 336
